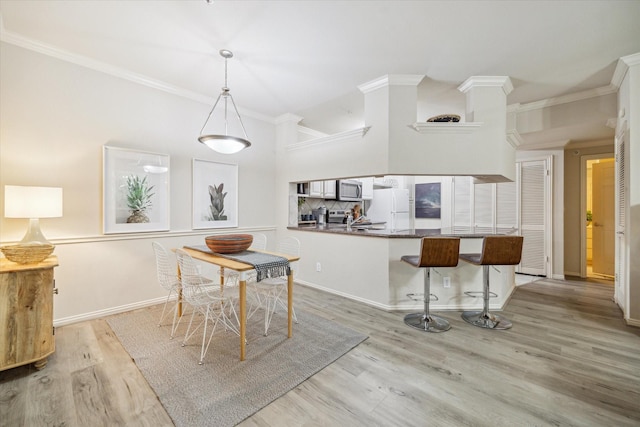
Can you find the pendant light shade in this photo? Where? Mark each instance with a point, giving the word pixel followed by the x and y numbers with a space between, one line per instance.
pixel 225 143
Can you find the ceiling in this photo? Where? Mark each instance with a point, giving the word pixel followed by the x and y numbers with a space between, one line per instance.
pixel 308 57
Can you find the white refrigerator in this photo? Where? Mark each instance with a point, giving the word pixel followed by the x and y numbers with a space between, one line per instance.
pixel 390 205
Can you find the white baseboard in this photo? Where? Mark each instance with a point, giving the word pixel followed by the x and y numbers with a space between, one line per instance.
pixel 409 307
pixel 107 312
pixel 633 322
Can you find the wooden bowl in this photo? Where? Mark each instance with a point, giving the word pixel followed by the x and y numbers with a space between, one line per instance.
pixel 27 254
pixel 229 243
pixel 443 118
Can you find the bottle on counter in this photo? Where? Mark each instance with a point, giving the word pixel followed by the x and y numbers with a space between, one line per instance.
pixel 349 222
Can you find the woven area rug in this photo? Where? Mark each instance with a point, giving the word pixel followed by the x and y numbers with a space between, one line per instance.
pixel 224 391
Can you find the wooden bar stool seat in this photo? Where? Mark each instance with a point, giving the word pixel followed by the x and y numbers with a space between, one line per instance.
pixel 496 250
pixel 434 252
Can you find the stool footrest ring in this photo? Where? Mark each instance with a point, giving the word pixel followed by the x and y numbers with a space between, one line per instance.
pixel 420 297
pixel 479 294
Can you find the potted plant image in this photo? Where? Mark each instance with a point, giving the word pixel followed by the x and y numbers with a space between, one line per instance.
pixel 216 209
pixel 138 198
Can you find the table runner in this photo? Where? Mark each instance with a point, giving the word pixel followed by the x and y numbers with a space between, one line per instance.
pixel 266 265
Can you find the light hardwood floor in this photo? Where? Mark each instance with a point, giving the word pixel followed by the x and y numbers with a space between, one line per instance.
pixel 569 360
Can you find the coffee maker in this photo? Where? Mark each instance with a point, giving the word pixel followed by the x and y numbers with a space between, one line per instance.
pixel 320 215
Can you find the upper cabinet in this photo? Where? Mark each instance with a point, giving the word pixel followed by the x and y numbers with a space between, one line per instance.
pixel 330 189
pixel 322 189
pixel 316 189
pixel 367 188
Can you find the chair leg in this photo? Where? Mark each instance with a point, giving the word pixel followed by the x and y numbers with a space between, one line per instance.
pixel 271 301
pixel 425 321
pixel 284 307
pixel 485 319
pixel 164 308
pixel 176 322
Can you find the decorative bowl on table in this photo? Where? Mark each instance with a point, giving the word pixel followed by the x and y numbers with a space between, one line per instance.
pixel 229 243
pixel 27 254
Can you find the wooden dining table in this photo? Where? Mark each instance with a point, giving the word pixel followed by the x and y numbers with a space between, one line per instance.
pixel 242 269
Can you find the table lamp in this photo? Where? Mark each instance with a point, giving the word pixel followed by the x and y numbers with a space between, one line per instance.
pixel 33 203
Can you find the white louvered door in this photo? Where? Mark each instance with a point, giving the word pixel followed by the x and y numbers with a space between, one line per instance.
pixel 484 206
pixel 462 201
pixel 506 203
pixel 621 253
pixel 533 216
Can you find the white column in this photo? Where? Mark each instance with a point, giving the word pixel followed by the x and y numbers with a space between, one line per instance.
pixel 486 98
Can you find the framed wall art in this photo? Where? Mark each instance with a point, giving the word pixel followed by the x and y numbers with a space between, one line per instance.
pixel 135 191
pixel 215 194
pixel 428 200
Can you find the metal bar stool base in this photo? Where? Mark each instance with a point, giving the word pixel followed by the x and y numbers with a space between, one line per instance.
pixel 428 323
pixel 488 321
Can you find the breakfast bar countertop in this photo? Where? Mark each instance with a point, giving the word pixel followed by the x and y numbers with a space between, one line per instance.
pixel 462 232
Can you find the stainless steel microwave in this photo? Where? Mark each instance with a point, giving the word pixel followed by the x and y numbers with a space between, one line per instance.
pixel 348 190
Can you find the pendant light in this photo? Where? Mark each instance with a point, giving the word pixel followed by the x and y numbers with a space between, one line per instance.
pixel 225 144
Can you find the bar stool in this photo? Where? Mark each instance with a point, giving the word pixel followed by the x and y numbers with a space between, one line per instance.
pixel 434 252
pixel 496 250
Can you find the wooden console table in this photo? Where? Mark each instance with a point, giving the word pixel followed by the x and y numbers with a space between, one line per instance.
pixel 26 313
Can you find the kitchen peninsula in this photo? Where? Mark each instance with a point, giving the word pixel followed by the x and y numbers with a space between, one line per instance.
pixel 364 264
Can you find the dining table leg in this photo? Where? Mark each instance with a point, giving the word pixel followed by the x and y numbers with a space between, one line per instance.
pixel 243 314
pixel 290 304
pixel 221 279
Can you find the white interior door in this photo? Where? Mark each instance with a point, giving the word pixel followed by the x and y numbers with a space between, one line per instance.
pixel 621 253
pixel 462 201
pixel 533 223
pixel 603 225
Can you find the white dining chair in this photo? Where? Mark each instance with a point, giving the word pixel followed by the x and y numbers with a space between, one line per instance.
pixel 270 291
pixel 231 278
pixel 208 299
pixel 167 274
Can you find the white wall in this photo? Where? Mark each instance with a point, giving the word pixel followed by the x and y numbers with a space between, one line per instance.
pixel 55 118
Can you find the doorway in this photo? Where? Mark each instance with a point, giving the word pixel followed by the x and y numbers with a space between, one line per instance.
pixel 599 226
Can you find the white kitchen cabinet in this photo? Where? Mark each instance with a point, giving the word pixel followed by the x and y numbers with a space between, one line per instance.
pixel 316 189
pixel 367 188
pixel 330 189
pixel 323 189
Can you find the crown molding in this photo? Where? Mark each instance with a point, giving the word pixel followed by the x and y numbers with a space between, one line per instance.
pixel 102 67
pixel 546 145
pixel 338 137
pixel 564 99
pixel 391 80
pixel 487 81
pixel 514 138
pixel 624 63
pixel 311 132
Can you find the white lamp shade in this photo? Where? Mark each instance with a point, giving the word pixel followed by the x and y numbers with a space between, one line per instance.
pixel 32 202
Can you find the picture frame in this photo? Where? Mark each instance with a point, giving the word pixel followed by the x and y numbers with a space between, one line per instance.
pixel 215 195
pixel 135 194
pixel 428 200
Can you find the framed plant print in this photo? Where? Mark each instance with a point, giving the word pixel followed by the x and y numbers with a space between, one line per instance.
pixel 135 191
pixel 215 194
pixel 428 200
